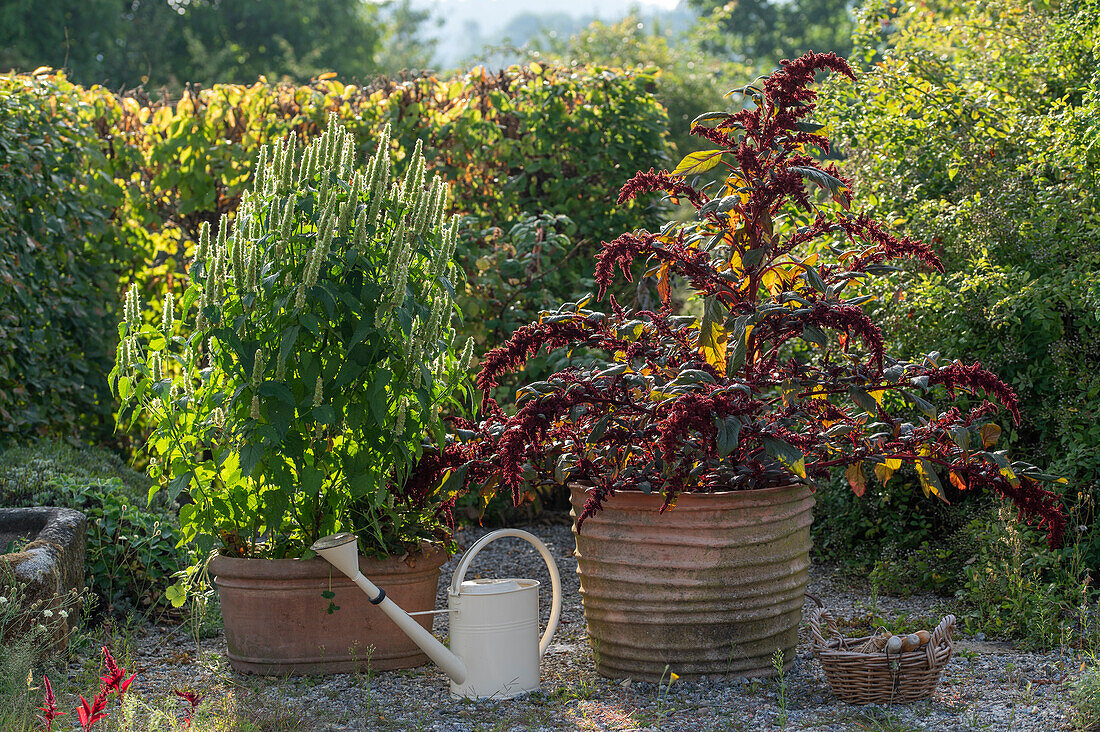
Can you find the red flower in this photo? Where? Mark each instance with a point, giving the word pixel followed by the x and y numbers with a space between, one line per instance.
pixel 115 680
pixel 192 698
pixel 659 181
pixel 49 707
pixel 91 713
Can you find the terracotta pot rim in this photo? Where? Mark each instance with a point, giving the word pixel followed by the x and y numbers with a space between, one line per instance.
pixel 700 496
pixel 424 560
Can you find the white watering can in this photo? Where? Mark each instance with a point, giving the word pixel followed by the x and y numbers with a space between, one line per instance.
pixel 495 646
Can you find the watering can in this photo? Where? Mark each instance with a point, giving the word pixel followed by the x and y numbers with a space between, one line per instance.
pixel 494 623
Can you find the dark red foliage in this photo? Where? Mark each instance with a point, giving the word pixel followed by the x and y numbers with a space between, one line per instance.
pixel 849 319
pixel 524 343
pixel 115 680
pixel 972 378
pixel 49 706
pixel 658 181
pixel 193 699
pixel 91 713
pixel 725 400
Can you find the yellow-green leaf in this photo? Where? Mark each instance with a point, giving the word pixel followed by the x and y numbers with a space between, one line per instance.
pixel 929 481
pixel 884 470
pixel 698 162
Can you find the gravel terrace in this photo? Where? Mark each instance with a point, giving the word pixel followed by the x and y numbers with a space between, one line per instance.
pixel 986 686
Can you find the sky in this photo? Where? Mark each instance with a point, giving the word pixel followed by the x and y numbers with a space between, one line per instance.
pixel 490 18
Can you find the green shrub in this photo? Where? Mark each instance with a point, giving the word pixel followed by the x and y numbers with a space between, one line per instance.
pixel 893 532
pixel 1014 587
pixel 527 139
pixel 974 128
pixel 59 261
pixel 131 553
pixel 1084 693
pixel 979 136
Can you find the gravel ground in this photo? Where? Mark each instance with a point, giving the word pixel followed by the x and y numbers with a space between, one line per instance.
pixel 986 686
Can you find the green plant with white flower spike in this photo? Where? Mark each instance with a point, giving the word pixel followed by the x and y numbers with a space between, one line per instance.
pixel 318 355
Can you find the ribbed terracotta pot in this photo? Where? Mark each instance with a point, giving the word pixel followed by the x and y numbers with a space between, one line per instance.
pixel 277 621
pixel 713 586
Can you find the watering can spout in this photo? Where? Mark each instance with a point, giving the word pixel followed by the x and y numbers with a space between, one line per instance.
pixel 341 550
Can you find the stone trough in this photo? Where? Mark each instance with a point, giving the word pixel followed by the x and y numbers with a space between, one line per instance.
pixel 44 551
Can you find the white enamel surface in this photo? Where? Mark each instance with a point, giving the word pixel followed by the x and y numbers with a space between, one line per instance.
pixel 495 627
pixel 495 647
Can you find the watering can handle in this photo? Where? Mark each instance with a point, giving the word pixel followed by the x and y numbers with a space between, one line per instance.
pixel 555 578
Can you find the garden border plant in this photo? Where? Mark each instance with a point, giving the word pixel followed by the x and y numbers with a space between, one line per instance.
pixel 318 353
pixel 317 360
pixel 782 380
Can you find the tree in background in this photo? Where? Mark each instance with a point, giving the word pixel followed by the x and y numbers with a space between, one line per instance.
pixel 403 45
pixel 173 42
pixel 763 32
pixel 236 42
pixel 80 36
pixel 691 80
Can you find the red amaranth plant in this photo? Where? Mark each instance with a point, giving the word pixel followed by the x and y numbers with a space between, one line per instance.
pixel 192 698
pixel 115 681
pixel 49 706
pixel 782 378
pixel 91 713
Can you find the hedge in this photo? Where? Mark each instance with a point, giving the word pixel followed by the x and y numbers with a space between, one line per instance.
pixel 526 140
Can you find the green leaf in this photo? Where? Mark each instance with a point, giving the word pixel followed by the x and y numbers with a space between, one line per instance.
pixel 737 358
pixel 813 334
pixel 699 161
pixel 178 484
pixel 863 400
pixel 922 404
pixel 788 455
pixel 709 117
pixel 813 277
pixel 833 185
pixel 961 436
pixel 753 257
pixel 729 432
pixel 324 414
pixel 176 594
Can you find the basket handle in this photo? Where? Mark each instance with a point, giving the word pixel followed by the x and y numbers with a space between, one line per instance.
pixel 819 640
pixel 941 636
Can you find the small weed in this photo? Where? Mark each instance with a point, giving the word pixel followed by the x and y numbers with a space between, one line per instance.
pixel 662 694
pixel 777 664
pixel 1084 694
pixel 973 721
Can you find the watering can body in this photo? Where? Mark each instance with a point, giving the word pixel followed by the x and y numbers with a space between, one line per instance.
pixel 495 649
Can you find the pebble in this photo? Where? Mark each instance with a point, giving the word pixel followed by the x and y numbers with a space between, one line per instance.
pixel 977 691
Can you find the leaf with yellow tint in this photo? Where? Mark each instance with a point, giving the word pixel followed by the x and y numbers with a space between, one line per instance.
pixel 957 480
pixel 990 434
pixel 856 480
pixel 664 289
pixel 712 335
pixel 884 470
pixel 929 481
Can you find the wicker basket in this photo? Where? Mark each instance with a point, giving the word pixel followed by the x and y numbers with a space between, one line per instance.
pixel 879 677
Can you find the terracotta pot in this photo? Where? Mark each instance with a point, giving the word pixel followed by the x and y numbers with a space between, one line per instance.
pixel 277 621
pixel 713 586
